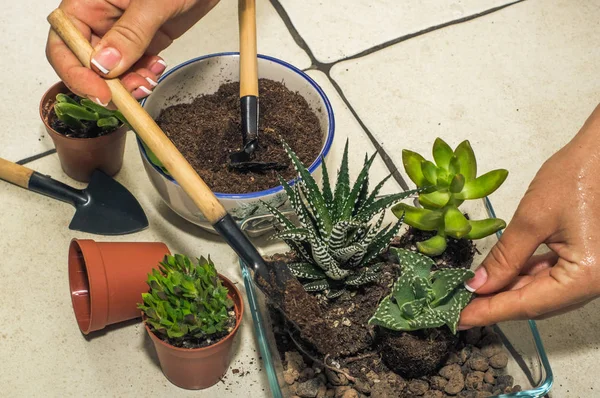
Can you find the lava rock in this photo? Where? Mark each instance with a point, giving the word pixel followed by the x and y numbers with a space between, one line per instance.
pixel 456 384
pixel 499 360
pixel 362 386
pixel 449 371
pixel 418 387
pixel 306 374
pixel 454 358
pixel 438 382
pixel 506 380
pixel 309 388
pixel 351 393
pixel 336 379
pixel 490 350
pixel 479 362
pixel 322 392
pixel 487 387
pixel 490 376
pixel 294 360
pixel 433 394
pixel 340 391
pixel 474 380
pixel 290 376
pixel 472 336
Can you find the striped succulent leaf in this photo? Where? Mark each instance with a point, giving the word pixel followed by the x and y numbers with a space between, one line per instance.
pixel 421 299
pixel 338 234
pixel 306 271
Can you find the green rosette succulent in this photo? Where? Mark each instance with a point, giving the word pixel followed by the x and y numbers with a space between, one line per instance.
pixel 186 300
pixel 447 183
pixel 421 299
pixel 74 114
pixel 341 230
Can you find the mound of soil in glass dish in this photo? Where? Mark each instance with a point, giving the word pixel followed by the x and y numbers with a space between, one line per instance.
pixel 90 130
pixel 207 130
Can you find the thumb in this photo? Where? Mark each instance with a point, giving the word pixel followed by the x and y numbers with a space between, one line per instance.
pixel 508 256
pixel 128 39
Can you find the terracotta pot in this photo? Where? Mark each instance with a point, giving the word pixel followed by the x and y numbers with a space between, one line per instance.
pixel 107 279
pixel 79 157
pixel 199 368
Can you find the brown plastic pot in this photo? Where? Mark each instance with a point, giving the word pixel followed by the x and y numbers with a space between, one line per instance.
pixel 79 157
pixel 199 368
pixel 107 279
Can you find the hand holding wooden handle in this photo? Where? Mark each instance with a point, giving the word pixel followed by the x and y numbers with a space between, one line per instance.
pixel 248 51
pixel 144 125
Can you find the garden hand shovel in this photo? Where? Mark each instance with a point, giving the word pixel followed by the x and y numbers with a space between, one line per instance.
pixel 105 207
pixel 273 279
pixel 249 104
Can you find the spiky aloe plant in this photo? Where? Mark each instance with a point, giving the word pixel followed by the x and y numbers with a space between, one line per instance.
pixel 447 183
pixel 187 300
pixel 336 242
pixel 421 299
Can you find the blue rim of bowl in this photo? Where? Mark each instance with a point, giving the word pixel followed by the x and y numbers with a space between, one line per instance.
pixel 253 195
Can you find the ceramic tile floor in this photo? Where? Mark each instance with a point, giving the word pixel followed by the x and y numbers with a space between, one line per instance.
pixel 517 79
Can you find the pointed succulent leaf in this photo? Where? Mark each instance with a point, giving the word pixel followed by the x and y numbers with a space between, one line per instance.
pixel 350 202
pixel 301 249
pixel 75 111
pixel 297 235
pixel 366 276
pixel 457 183
pixel 373 194
pixel 366 240
pixel 278 215
pixel 332 293
pixel 426 320
pixel 389 315
pixel 444 178
pixel 327 193
pixel 381 242
pixel 402 291
pixel 446 280
pixel 454 166
pixel 456 224
pixel 442 153
pixel 419 264
pixel 450 311
pixel 336 273
pixel 482 228
pixel 430 171
pixel 466 159
pixel 412 165
pixel 414 308
pixel 305 271
pixel 433 246
pixel 423 219
pixel 339 232
pixel 342 187
pixel 316 286
pixel 363 194
pixel 423 289
pixel 383 203
pixel 483 185
pixel 345 253
pixel 435 199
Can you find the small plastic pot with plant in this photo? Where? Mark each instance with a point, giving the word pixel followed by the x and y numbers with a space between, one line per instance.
pixel 389 307
pixel 192 315
pixel 87 136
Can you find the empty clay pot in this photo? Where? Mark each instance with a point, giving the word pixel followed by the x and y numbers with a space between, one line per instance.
pixel 79 157
pixel 200 368
pixel 107 279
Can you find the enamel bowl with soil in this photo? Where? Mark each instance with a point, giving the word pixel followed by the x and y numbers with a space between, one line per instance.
pixel 197 106
pixel 389 290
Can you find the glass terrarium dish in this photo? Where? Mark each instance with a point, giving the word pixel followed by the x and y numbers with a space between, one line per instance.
pixel 528 363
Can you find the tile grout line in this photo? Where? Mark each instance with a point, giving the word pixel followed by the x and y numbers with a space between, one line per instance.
pixel 36 157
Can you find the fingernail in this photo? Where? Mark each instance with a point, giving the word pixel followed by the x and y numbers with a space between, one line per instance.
pixel 106 59
pixel 477 281
pixel 464 327
pixel 97 100
pixel 152 82
pixel 158 67
pixel 141 92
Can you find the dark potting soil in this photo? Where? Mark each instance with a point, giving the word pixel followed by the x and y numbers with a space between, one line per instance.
pixel 208 130
pixel 192 342
pixel 90 130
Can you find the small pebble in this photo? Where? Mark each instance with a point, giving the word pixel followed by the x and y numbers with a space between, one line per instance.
pixel 372 377
pixel 499 361
pixel 490 350
pixel 433 394
pixel 418 387
pixel 472 336
pixel 330 393
pixel 309 388
pixel 479 362
pixel 490 376
pixel 517 388
pixel 449 370
pixel 487 387
pixel 474 380
pixel 322 392
pixel 454 358
pixel 294 361
pixel 290 376
pixel 351 393
pixel 362 386
pixel 455 384
pixel 336 379
pixel 340 390
pixel 438 382
pixel 306 374
pixel 506 380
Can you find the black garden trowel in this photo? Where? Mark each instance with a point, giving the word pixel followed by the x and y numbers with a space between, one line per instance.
pixel 104 207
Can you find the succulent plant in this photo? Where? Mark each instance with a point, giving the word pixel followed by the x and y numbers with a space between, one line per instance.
pixel 421 299
pixel 75 114
pixel 186 300
pixel 446 184
pixel 337 242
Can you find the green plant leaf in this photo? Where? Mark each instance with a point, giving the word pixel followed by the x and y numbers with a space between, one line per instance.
pixel 418 264
pixel 342 187
pixel 423 219
pixel 389 315
pixel 412 165
pixel 442 153
pixel 456 224
pixel 351 200
pixel 483 185
pixel 457 183
pixel 466 160
pixel 68 120
pixel 435 199
pixel 414 308
pixel 446 280
pixel 75 111
pixel 61 97
pixel 450 312
pixel 430 171
pixel 433 246
pixel 327 193
pixel 305 271
pixel 99 109
pixel 367 212
pixel 316 286
pixel 108 122
pixel 482 228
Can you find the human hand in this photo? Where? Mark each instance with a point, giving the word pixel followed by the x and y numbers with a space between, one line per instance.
pixel 561 208
pixel 126 35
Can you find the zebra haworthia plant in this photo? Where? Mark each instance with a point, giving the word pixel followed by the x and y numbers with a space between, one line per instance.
pixel 337 243
pixel 447 183
pixel 421 299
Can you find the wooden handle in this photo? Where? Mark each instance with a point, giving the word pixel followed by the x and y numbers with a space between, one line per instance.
pixel 248 55
pixel 15 173
pixel 144 125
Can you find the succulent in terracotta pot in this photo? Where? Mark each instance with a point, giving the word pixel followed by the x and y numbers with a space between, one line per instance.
pixel 192 315
pixel 87 136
